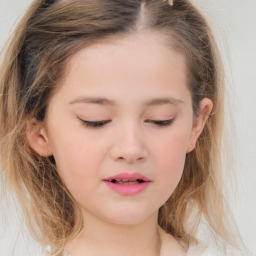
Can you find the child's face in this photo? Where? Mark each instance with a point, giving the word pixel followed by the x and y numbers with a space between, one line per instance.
pixel 131 72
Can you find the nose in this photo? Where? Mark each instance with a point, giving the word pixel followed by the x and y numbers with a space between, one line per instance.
pixel 129 145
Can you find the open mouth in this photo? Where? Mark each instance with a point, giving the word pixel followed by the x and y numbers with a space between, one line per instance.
pixel 126 182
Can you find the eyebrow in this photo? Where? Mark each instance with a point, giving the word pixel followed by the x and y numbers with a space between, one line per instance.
pixel 104 101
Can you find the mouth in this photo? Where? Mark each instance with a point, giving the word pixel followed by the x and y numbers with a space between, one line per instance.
pixel 128 178
pixel 127 183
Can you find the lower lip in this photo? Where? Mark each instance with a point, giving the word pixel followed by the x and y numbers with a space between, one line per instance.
pixel 127 190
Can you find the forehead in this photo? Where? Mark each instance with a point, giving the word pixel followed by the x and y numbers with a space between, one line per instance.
pixel 137 51
pixel 139 63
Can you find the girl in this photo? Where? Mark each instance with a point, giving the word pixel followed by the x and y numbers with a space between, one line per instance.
pixel 111 123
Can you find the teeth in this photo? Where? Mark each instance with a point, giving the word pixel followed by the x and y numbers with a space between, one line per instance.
pixel 126 181
pixel 122 180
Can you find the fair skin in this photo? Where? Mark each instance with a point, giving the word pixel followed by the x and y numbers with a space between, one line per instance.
pixel 130 72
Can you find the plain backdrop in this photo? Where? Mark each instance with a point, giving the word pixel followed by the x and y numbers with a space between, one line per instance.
pixel 234 23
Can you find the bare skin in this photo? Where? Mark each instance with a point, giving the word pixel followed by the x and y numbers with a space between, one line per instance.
pixel 143 83
pixel 155 242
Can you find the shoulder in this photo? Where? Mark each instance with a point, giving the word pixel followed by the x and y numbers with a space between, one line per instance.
pixel 169 244
pixel 198 249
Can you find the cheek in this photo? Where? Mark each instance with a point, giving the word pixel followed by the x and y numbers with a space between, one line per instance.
pixel 78 160
pixel 170 156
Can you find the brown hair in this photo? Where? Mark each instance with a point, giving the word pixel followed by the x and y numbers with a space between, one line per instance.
pixel 51 32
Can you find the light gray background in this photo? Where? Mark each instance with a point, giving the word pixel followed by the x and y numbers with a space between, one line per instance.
pixel 234 24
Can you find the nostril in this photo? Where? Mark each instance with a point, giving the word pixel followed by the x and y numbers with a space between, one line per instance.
pixel 129 153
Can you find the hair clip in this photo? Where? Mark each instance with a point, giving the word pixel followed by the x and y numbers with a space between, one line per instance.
pixel 170 2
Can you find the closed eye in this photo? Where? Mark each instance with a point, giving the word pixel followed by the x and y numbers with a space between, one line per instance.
pixel 161 122
pixel 101 123
pixel 95 124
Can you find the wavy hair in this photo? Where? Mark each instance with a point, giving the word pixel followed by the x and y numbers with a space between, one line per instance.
pixel 34 63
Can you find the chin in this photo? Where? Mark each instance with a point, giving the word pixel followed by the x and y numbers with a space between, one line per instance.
pixel 130 217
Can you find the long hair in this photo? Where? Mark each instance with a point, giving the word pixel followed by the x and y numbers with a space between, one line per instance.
pixel 47 36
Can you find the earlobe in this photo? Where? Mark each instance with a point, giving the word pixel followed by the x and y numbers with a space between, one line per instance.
pixel 37 138
pixel 200 119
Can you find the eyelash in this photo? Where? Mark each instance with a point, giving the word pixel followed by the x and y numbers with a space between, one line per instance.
pixel 99 124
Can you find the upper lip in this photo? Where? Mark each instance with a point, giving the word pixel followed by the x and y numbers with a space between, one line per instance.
pixel 125 176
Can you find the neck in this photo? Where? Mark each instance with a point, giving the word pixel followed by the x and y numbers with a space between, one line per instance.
pixel 99 237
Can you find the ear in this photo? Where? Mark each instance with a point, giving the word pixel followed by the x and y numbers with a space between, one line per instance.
pixel 200 119
pixel 37 138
